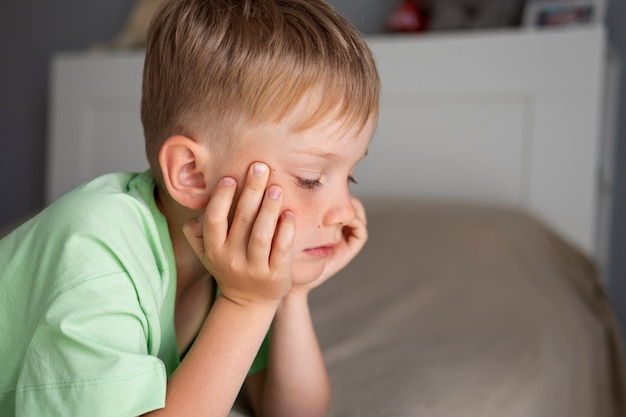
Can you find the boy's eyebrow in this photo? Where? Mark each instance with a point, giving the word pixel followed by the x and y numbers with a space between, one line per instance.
pixel 327 155
pixel 324 155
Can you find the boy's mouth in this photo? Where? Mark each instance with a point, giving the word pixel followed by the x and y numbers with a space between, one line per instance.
pixel 323 251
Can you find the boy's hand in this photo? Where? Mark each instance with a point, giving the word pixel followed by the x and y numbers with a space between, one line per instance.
pixel 251 259
pixel 354 236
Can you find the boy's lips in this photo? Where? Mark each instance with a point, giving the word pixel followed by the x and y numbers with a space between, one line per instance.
pixel 322 251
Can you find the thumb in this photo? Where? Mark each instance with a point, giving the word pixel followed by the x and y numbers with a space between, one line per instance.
pixel 193 230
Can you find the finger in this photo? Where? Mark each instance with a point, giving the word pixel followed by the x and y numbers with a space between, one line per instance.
pixel 216 214
pixel 357 229
pixel 264 229
pixel 280 256
pixel 249 202
pixel 211 227
pixel 192 229
pixel 359 209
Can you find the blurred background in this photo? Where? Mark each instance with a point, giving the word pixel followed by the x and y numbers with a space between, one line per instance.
pixel 33 31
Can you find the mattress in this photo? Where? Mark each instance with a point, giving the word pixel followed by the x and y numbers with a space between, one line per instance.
pixel 467 310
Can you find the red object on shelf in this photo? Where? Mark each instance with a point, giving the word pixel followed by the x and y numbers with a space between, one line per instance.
pixel 409 16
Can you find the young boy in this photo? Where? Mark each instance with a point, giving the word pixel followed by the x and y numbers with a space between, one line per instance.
pixel 153 293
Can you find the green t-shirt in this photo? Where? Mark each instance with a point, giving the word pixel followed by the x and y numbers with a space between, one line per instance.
pixel 87 292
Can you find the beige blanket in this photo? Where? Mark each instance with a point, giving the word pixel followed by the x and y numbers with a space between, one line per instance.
pixel 459 310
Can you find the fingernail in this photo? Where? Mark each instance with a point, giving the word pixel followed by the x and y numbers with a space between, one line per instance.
pixel 228 181
pixel 274 193
pixel 288 214
pixel 259 169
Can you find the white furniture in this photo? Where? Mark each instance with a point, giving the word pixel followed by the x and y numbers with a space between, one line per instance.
pixel 505 117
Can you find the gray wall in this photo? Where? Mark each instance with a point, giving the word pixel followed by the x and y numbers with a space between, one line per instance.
pixel 32 31
pixel 616 17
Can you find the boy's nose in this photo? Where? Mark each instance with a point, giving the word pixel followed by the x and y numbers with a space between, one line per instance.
pixel 341 211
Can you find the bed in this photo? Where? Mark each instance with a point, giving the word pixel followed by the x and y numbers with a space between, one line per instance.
pixel 480 291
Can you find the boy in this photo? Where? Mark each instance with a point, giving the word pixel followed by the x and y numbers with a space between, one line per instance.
pixel 153 293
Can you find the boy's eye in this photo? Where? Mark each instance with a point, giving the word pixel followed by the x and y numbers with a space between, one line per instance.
pixel 309 184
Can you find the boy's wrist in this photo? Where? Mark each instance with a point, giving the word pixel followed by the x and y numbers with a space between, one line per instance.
pixel 269 305
pixel 295 298
pixel 298 292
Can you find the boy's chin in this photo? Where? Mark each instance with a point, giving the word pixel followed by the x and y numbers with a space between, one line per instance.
pixel 303 275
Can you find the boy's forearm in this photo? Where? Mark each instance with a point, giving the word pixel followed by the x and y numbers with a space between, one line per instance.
pixel 209 378
pixel 297 382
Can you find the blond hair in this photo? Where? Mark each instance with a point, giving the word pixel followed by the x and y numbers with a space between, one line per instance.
pixel 212 66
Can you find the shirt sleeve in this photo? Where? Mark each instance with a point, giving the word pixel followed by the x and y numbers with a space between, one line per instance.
pixel 89 355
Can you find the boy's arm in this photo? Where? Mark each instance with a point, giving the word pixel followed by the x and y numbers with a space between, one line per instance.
pixel 253 279
pixel 207 382
pixel 296 382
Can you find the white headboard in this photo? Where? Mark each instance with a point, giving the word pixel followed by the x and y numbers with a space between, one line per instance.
pixel 505 117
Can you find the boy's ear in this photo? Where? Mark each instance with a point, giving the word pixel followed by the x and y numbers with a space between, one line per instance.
pixel 182 162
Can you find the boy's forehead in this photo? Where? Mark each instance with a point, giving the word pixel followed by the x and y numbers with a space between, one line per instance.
pixel 327 130
pixel 312 132
pixel 318 153
pixel 330 142
pixel 336 123
pixel 318 109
